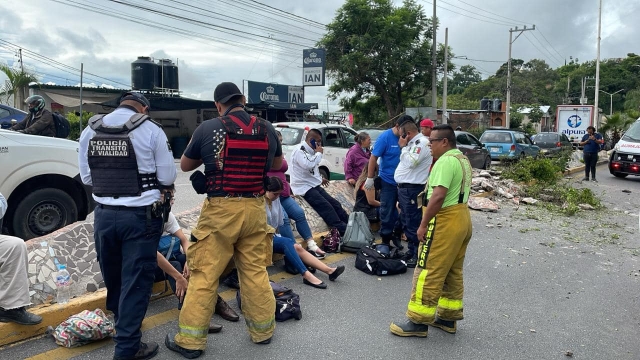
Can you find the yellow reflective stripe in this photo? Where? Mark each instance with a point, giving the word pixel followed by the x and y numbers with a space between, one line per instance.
pixel 423 310
pixel 261 326
pixel 193 332
pixel 420 285
pixel 449 304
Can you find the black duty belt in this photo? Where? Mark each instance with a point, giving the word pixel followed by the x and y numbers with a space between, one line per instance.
pixel 151 210
pixel 411 186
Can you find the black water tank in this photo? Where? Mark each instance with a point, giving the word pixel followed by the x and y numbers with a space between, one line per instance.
pixel 485 104
pixel 497 105
pixel 144 73
pixel 167 74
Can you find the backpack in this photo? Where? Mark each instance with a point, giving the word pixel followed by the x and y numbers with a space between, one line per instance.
pixel 358 233
pixel 62 125
pixel 287 302
pixel 331 242
pixel 372 262
pixel 82 328
pixel 169 246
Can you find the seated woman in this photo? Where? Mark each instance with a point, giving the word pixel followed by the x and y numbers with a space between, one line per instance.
pixel 357 157
pixel 287 246
pixel 171 267
pixel 367 201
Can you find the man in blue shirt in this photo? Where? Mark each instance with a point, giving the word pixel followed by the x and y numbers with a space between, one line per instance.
pixel 388 151
pixel 591 142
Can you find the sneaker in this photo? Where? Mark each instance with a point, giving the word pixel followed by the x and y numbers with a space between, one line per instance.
pixel 146 351
pixel 19 316
pixel 171 345
pixel 445 325
pixel 412 262
pixel 409 328
pixel 586 178
pixel 594 180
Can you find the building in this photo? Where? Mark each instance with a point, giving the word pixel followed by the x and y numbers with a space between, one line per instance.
pixel 546 123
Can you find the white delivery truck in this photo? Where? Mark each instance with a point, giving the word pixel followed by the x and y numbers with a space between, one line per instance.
pixel 40 179
pixel 573 120
pixel 625 158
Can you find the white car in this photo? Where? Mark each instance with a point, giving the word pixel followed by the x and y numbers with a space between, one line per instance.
pixel 336 140
pixel 41 181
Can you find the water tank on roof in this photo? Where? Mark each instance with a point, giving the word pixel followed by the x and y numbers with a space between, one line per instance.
pixel 167 74
pixel 497 105
pixel 485 104
pixel 143 73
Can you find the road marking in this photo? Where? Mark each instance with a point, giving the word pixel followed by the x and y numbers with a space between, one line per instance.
pixel 162 318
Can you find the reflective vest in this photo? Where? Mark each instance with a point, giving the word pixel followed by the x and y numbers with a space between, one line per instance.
pixel 241 163
pixel 112 160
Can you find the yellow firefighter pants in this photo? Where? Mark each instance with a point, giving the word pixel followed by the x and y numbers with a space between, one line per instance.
pixel 229 227
pixel 437 279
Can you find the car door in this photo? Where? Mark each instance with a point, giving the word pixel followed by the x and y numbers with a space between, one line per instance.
pixel 531 150
pixel 333 145
pixel 464 145
pixel 482 151
pixel 566 143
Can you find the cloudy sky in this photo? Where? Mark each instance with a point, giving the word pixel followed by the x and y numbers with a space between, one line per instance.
pixel 236 40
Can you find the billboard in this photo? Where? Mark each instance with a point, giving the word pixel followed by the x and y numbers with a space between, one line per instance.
pixel 274 93
pixel 573 120
pixel 313 67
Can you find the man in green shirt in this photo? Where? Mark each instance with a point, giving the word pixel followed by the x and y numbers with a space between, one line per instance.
pixel 444 232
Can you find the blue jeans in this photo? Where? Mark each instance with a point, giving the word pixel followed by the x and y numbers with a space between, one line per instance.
pixel 410 216
pixel 388 211
pixel 178 263
pixel 283 245
pixel 126 241
pixel 293 211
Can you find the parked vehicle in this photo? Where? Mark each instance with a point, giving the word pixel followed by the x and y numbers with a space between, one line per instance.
pixel 573 120
pixel 374 133
pixel 503 143
pixel 8 113
pixel 552 143
pixel 474 150
pixel 625 157
pixel 41 182
pixel 336 141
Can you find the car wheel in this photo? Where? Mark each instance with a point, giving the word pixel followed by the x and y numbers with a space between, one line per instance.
pixel 42 212
pixel 487 163
pixel 620 175
pixel 324 173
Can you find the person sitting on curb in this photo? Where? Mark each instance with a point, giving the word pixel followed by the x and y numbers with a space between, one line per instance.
pixel 357 158
pixel 292 251
pixel 172 268
pixel 367 200
pixel 293 211
pixel 14 283
pixel 306 181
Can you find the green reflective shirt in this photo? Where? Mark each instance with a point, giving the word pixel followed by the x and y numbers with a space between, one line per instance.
pixel 447 172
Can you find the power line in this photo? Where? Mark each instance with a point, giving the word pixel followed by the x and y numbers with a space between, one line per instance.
pixel 541 52
pixel 559 60
pixel 554 49
pixel 492 13
pixel 500 19
pixel 489 61
pixel 469 16
pixel 294 15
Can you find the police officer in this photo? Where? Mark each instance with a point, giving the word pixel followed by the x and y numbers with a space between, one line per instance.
pixel 126 158
pixel 237 150
pixel 411 175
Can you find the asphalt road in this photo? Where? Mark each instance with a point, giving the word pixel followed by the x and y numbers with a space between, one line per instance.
pixel 538 285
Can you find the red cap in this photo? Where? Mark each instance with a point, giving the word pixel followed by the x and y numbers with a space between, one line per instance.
pixel 426 123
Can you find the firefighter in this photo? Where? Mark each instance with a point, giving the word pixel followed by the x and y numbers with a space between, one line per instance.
pixel 445 231
pixel 237 150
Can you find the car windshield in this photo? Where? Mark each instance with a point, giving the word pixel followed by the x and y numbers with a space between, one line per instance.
pixel 290 136
pixel 496 137
pixel 546 138
pixel 633 133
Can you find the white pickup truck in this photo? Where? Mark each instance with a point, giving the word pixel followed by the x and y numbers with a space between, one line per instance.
pixel 40 179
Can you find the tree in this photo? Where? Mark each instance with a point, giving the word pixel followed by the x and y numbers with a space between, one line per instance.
pixel 632 100
pixel 16 85
pixel 376 48
pixel 516 118
pixel 616 125
pixel 535 115
pixel 462 79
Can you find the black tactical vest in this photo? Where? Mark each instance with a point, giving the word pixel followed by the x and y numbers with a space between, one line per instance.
pixel 112 160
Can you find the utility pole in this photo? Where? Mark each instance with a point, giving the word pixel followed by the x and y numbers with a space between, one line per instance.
pixel 444 80
pixel 21 63
pixel 596 119
pixel 566 98
pixel 434 63
pixel 81 75
pixel 511 41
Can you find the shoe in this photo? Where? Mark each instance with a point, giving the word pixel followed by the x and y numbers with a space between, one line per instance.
pixel 339 270
pixel 409 328
pixel 396 239
pixel 313 248
pixel 594 180
pixel 214 328
pixel 445 325
pixel 225 311
pixel 264 342
pixel 412 262
pixel 317 255
pixel 322 285
pixel 311 269
pixel 171 345
pixel 586 178
pixel 146 351
pixel 231 280
pixel 19 316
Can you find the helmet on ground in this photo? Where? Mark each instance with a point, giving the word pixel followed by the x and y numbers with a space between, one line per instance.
pixel 37 101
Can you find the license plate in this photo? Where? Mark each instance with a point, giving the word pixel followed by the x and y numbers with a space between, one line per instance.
pixel 495 149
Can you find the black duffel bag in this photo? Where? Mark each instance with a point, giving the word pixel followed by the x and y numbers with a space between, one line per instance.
pixel 371 261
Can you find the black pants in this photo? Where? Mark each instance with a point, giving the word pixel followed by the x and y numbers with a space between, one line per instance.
pixel 328 208
pixel 178 263
pixel 590 161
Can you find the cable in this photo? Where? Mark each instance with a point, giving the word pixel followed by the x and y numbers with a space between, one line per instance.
pixel 492 13
pixel 488 17
pixel 534 45
pixel 559 60
pixel 490 61
pixel 294 15
pixel 545 39
pixel 277 72
pixel 465 15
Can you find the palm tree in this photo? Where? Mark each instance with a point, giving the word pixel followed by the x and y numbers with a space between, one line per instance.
pixel 616 125
pixel 16 85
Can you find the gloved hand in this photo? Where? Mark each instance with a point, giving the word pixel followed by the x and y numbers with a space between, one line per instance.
pixel 368 184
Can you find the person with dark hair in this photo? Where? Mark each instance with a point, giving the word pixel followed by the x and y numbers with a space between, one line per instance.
pixel 39 121
pixel 237 150
pixel 357 157
pixel 306 181
pixel 367 200
pixel 591 142
pixel 388 151
pixel 293 252
pixel 411 175
pixel 126 158
pixel 445 231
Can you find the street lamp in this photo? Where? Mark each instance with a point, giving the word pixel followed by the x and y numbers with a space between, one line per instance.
pixel 611 100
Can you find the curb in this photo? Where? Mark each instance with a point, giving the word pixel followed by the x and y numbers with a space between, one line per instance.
pixel 581 168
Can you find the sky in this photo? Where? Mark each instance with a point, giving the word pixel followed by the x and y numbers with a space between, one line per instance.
pixel 236 40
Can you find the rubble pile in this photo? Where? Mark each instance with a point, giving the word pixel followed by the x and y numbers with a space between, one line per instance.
pixel 489 183
pixel 576 158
